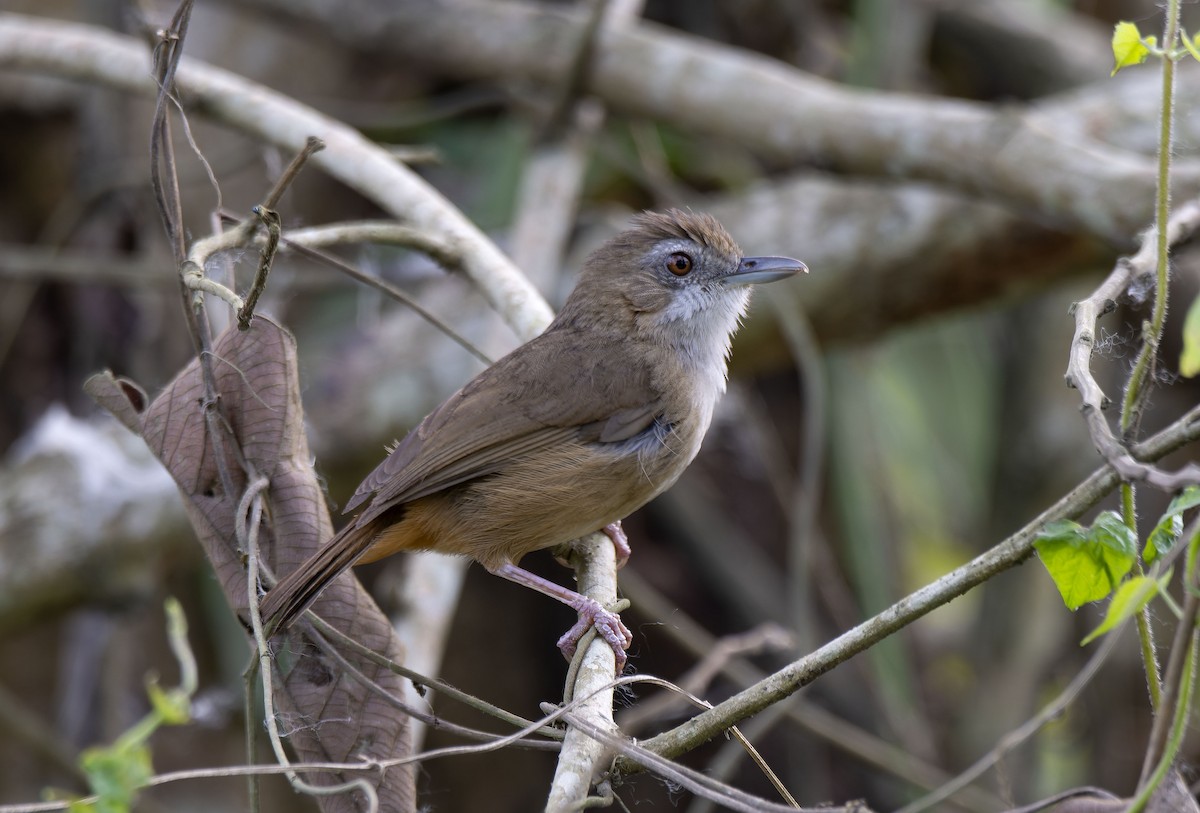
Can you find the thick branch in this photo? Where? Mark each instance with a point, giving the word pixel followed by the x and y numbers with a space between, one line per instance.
pixel 713 90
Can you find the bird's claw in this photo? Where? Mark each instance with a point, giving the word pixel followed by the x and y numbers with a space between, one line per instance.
pixel 616 533
pixel 608 626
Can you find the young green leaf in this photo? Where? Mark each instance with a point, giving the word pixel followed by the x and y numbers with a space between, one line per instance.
pixel 1128 47
pixel 1189 358
pixel 1129 599
pixel 1190 44
pixel 115 774
pixel 1163 537
pixel 1087 563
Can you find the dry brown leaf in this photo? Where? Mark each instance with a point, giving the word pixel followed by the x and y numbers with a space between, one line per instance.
pixel 328 715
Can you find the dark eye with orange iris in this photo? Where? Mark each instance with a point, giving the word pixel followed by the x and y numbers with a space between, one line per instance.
pixel 679 264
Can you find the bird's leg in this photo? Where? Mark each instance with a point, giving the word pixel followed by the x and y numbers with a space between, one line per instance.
pixel 616 533
pixel 608 624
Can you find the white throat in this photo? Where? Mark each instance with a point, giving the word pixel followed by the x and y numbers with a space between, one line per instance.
pixel 699 325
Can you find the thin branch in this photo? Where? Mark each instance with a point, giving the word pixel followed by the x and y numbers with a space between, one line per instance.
pixel 434 683
pixel 312 146
pixel 1019 735
pixel 382 232
pixel 247 528
pixel 431 720
pixel 302 242
pixel 270 220
pixel 812 718
pixel 1012 551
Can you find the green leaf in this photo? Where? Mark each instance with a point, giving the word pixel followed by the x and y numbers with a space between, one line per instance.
pixel 1189 357
pixel 1111 531
pixel 1163 537
pixel 1063 529
pixel 1087 563
pixel 115 774
pixel 1190 44
pixel 1129 599
pixel 1128 47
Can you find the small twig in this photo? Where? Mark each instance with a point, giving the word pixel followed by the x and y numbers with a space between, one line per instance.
pixel 717 654
pixel 250 720
pixel 300 242
pixel 270 219
pixel 431 720
pixel 165 184
pixel 383 232
pixel 1019 735
pixel 247 532
pixel 729 758
pixel 434 683
pixel 166 187
pixel 682 693
pixel 312 145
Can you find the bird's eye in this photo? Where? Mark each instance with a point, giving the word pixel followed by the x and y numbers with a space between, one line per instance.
pixel 679 264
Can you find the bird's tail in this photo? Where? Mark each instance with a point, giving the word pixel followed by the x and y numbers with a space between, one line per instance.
pixel 292 594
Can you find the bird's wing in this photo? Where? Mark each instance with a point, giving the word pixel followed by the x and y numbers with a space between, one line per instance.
pixel 547 392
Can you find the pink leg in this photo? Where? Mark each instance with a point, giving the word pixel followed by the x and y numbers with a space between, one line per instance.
pixel 608 624
pixel 620 541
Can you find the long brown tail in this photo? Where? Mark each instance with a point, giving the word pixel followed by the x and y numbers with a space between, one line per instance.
pixel 292 594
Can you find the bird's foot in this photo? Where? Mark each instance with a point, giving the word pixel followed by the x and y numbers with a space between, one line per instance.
pixel 616 533
pixel 608 626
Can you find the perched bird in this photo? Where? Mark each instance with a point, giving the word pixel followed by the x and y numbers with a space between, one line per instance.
pixel 570 432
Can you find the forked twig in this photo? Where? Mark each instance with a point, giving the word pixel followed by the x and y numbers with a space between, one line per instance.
pixel 1181 227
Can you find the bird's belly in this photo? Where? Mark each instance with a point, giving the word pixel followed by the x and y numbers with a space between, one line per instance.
pixel 536 502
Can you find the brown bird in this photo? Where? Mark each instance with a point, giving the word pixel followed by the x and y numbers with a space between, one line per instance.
pixel 570 432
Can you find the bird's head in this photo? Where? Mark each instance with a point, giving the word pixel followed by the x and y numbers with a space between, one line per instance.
pixel 676 277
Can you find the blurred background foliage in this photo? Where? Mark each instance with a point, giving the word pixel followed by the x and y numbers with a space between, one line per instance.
pixel 938 437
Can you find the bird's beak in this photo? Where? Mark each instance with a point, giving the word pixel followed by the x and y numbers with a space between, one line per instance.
pixel 764 269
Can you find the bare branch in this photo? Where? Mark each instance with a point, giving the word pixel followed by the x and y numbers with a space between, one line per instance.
pixel 1087 312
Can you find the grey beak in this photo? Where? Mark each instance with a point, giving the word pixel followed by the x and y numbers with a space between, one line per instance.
pixel 764 269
